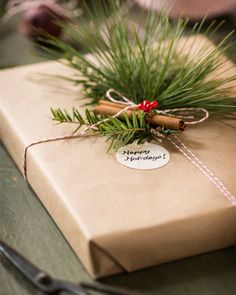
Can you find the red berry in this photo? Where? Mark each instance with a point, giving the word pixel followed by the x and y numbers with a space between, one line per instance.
pixel 147 105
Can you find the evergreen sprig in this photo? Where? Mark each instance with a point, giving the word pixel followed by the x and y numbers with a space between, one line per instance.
pixel 118 131
pixel 147 64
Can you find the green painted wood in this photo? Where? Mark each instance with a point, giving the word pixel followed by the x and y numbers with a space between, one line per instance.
pixel 26 225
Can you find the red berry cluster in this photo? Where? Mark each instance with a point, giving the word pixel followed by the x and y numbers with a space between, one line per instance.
pixel 147 105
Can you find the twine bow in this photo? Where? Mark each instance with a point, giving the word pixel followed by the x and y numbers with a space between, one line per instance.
pixel 187 114
pixel 182 113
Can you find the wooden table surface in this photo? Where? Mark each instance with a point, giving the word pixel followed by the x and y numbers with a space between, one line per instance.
pixel 26 225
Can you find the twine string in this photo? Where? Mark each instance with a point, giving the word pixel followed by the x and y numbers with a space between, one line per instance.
pixel 182 113
pixel 202 167
pixel 122 99
pixel 44 140
pixel 127 103
pixel 186 113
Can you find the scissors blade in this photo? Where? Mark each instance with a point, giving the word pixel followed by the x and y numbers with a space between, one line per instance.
pixel 40 279
pixel 28 269
pixel 47 285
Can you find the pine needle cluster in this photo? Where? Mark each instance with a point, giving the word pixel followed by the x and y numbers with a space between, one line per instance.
pixel 144 63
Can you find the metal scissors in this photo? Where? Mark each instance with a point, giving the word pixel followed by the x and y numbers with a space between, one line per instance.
pixel 45 284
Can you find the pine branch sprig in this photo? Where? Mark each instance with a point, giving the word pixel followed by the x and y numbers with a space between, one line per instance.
pixel 118 131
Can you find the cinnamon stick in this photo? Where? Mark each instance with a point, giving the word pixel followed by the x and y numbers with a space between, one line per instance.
pixel 110 109
pixel 112 104
pixel 168 122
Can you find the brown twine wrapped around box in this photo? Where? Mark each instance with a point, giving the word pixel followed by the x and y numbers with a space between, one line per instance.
pixel 127 106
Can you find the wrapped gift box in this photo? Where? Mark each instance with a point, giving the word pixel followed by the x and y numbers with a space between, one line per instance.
pixel 115 218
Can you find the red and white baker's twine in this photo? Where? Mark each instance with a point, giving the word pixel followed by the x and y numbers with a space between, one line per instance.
pixel 202 167
pixel 183 113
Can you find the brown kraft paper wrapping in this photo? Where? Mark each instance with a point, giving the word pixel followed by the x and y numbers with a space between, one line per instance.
pixel 115 218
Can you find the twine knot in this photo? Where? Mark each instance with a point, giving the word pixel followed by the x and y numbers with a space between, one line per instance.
pixel 189 114
pixel 147 106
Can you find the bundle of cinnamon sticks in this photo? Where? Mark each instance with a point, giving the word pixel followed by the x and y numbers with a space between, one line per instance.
pixel 168 122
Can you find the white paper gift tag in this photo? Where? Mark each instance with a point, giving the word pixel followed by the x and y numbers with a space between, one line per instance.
pixel 143 156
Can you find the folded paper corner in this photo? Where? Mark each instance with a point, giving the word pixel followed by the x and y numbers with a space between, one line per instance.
pixel 103 264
